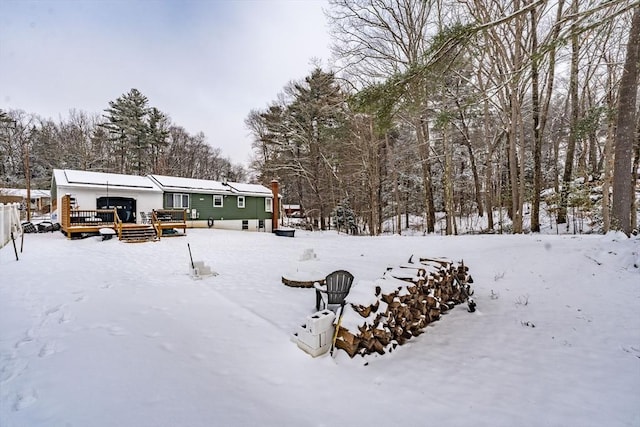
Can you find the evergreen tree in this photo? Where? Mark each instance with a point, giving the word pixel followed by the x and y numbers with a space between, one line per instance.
pixel 158 138
pixel 344 218
pixel 129 131
pixel 299 141
pixel 318 116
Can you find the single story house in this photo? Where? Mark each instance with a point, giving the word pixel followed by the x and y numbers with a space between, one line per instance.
pixel 207 203
pixel 228 205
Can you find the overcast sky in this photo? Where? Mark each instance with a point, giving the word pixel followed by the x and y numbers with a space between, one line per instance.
pixel 205 63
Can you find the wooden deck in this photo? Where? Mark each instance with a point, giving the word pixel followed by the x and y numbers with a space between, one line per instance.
pixel 169 219
pixel 76 222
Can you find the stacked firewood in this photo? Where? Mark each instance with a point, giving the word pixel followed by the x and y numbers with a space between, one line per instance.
pixel 382 314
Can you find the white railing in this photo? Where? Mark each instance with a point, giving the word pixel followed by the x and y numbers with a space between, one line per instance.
pixel 9 222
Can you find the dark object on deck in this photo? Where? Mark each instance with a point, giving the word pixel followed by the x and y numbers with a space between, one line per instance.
pixel 45 227
pixel 471 304
pixel 28 227
pixel 336 287
pixel 284 233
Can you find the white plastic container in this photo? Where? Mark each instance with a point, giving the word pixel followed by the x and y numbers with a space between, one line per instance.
pixel 320 321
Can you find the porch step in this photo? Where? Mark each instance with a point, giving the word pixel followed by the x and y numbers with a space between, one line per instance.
pixel 139 233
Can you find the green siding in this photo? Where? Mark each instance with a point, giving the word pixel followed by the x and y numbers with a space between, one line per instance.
pixel 203 203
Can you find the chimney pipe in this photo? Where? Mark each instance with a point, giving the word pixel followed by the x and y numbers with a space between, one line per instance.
pixel 275 205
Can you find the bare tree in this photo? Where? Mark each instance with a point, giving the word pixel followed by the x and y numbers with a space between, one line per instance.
pixel 374 41
pixel 623 185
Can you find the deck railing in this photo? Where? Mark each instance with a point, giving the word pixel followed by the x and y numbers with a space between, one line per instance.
pixel 117 222
pixel 169 215
pixel 163 219
pixel 95 217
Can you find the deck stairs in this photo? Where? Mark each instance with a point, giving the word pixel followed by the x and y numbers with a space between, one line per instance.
pixel 138 233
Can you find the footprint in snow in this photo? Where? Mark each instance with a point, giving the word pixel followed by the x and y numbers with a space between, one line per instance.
pixel 28 337
pixel 634 350
pixel 10 368
pixel 48 349
pixel 53 310
pixel 64 318
pixel 24 400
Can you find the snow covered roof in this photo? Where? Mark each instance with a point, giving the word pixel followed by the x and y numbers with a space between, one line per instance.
pixel 156 183
pixel 174 183
pixel 22 192
pixel 76 178
pixel 249 189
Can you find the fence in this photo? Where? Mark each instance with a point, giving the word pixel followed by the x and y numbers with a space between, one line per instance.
pixel 9 222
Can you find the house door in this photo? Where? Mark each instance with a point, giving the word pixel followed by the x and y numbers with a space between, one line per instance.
pixel 125 206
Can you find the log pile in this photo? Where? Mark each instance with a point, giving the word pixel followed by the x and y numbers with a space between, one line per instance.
pixel 382 314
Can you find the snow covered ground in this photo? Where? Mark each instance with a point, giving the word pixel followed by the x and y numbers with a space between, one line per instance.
pixel 103 333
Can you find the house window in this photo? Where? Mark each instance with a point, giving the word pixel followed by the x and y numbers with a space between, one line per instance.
pixel 241 202
pixel 217 201
pixel 245 224
pixel 268 204
pixel 177 201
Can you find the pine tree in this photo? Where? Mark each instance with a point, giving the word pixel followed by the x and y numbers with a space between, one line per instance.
pixel 158 126
pixel 299 141
pixel 129 131
pixel 344 218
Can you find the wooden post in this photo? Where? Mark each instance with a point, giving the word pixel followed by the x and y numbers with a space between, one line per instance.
pixel 65 214
pixel 275 205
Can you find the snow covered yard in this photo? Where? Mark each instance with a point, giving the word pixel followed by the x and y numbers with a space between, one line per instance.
pixel 97 333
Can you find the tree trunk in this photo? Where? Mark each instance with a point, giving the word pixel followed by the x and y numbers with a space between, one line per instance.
pixel 571 143
pixel 472 159
pixel 422 133
pixel 488 173
pixel 515 130
pixel 537 132
pixel 448 182
pixel 623 186
pixel 634 177
pixel 606 185
pixel 608 152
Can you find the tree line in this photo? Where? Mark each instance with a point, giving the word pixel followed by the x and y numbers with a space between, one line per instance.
pixel 129 137
pixel 437 109
pixel 463 108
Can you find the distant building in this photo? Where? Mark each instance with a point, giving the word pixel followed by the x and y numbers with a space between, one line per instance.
pixel 293 211
pixel 40 199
